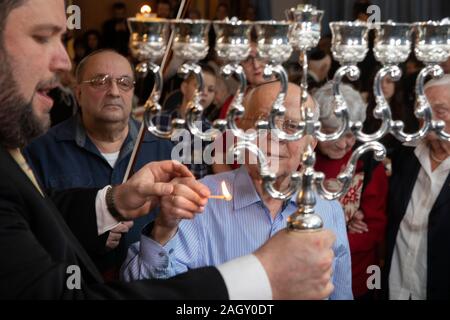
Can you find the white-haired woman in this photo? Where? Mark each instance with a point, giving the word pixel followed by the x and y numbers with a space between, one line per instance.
pixel 365 202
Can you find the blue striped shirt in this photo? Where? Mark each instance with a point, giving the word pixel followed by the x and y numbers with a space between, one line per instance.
pixel 227 230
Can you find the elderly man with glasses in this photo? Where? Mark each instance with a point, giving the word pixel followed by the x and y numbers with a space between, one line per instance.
pixel 92 149
pixel 181 239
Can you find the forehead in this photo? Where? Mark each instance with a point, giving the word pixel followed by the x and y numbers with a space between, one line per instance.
pixel 262 100
pixel 38 13
pixel 209 78
pixel 108 63
pixel 388 80
pixel 440 92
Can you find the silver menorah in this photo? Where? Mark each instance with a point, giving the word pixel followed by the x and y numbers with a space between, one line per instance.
pixel 276 42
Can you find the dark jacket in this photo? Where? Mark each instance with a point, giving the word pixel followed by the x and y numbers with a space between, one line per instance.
pixel 65 158
pixel 405 169
pixel 38 243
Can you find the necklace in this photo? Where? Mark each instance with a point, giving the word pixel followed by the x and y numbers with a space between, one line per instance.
pixel 435 158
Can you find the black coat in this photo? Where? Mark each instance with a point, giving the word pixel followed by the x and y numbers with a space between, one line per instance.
pixel 38 242
pixel 405 169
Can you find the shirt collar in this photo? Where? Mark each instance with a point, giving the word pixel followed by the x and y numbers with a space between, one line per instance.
pixel 244 192
pixel 422 152
pixel 314 76
pixel 80 131
pixel 74 130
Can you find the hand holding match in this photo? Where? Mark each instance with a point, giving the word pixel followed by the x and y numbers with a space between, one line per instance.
pixel 226 194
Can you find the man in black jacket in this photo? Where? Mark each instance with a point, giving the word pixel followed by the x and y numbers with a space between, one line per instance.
pixel 418 238
pixel 42 236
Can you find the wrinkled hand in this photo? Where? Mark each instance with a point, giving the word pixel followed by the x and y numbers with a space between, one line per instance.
pixel 188 198
pixel 116 234
pixel 299 265
pixel 356 223
pixel 142 192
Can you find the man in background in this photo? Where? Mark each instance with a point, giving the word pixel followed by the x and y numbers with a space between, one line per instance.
pixel 92 149
pixel 40 234
pixel 115 30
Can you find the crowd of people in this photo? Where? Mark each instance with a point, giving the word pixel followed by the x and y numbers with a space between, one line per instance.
pixel 64 201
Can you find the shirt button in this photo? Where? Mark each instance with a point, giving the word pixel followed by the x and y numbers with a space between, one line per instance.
pixel 170 251
pixel 161 254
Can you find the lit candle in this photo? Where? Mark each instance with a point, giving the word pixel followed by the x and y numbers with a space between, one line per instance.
pixel 146 13
pixel 225 193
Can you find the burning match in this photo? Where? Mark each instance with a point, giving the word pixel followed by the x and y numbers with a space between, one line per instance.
pixel 226 194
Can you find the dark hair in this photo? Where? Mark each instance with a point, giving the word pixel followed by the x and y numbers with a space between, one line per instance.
pixel 119 6
pixel 208 69
pixel 398 106
pixel 223 4
pixel 205 69
pixel 6 6
pixel 360 7
pixel 316 54
pixel 79 72
pixel 164 2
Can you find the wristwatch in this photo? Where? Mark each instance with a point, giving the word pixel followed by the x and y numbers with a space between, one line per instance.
pixel 111 205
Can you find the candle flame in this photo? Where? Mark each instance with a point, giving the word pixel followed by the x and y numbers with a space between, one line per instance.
pixel 226 194
pixel 146 9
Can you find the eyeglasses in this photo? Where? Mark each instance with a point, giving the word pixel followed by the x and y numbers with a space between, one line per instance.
pixel 252 59
pixel 290 126
pixel 104 82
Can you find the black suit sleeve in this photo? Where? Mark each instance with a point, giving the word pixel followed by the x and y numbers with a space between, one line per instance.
pixel 28 270
pixel 77 207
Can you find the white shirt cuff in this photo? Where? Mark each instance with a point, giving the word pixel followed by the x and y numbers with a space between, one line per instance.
pixel 246 279
pixel 105 221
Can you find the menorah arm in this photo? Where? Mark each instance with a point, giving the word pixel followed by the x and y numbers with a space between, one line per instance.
pixel 182 11
pixel 345 176
pixel 195 109
pixel 438 126
pixel 439 129
pixel 268 178
pixel 237 109
pixel 341 111
pixel 278 108
pixel 423 108
pixel 152 107
pixel 382 110
pixel 269 186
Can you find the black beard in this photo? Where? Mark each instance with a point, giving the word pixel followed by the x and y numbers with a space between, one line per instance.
pixel 18 123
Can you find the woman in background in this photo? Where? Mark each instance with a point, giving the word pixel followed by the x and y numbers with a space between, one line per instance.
pixel 365 203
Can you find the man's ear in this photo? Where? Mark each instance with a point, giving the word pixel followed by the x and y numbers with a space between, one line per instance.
pixel 78 93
